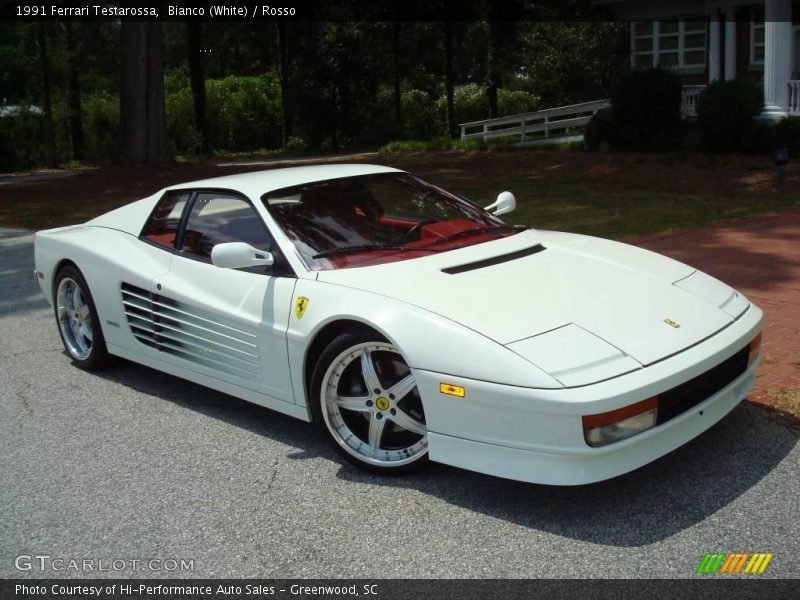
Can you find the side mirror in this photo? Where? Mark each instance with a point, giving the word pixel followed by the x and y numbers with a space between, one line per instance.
pixel 505 203
pixel 235 255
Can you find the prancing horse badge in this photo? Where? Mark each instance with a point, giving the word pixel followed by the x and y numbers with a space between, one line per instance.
pixel 672 323
pixel 300 306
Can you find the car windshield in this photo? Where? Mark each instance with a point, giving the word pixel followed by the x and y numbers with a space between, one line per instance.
pixel 375 219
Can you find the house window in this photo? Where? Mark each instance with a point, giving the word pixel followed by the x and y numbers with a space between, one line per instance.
pixel 675 43
pixel 757 36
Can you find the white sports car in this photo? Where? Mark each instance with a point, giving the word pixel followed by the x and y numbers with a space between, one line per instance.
pixel 408 323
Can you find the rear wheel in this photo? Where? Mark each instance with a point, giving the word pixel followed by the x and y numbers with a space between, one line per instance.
pixel 77 320
pixel 365 400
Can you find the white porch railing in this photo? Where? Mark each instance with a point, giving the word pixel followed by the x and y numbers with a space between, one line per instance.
pixel 689 97
pixel 794 97
pixel 543 122
pixel 546 123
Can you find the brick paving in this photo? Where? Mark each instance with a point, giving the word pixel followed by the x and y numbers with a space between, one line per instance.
pixel 760 257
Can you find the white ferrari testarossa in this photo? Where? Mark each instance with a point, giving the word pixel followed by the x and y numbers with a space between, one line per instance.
pixel 408 323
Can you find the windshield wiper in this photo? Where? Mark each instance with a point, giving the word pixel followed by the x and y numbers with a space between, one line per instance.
pixel 480 230
pixel 369 248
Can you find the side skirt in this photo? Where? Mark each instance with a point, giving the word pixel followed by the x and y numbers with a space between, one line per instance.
pixel 293 410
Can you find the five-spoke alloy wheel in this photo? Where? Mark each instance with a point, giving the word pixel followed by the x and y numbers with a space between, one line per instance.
pixel 77 319
pixel 365 400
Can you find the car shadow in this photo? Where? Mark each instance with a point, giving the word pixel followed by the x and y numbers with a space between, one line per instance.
pixel 650 504
pixel 639 508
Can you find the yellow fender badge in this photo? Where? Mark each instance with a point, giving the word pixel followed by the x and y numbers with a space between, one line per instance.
pixel 672 323
pixel 452 390
pixel 300 306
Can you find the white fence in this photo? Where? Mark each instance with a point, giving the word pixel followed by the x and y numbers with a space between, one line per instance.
pixel 542 123
pixel 689 97
pixel 557 122
pixel 794 97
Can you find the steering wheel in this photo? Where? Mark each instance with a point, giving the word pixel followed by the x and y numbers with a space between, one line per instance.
pixel 415 229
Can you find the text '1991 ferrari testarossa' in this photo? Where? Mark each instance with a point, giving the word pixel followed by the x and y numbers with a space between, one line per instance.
pixel 408 323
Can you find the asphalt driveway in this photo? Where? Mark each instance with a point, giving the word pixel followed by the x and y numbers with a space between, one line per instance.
pixel 133 464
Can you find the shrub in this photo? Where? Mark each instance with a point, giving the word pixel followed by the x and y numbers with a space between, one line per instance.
pixel 21 141
pixel 599 130
pixel 443 143
pixel 763 137
pixel 405 146
pixel 295 145
pixel 758 138
pixel 243 114
pixel 379 121
pixel 788 135
pixel 100 115
pixel 181 130
pixel 513 102
pixel 645 105
pixel 418 116
pixel 469 104
pixel 725 110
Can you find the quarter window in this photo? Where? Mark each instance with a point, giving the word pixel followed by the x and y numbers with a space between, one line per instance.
pixel 216 219
pixel 162 228
pixel 675 43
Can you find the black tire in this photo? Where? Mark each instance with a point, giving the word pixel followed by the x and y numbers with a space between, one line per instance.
pixel 409 404
pixel 97 356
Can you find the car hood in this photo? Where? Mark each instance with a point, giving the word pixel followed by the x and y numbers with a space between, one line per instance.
pixel 591 301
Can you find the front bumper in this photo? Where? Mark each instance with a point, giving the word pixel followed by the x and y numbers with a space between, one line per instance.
pixel 537 435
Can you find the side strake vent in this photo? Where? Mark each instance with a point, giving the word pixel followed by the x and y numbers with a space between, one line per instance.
pixel 174 328
pixel 495 260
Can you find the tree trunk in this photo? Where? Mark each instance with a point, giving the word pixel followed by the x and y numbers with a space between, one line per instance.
pixel 194 45
pixel 143 120
pixel 492 75
pixel 44 66
pixel 73 94
pixel 398 106
pixel 284 67
pixel 448 78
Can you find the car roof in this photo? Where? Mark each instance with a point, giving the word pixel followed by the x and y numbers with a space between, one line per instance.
pixel 257 183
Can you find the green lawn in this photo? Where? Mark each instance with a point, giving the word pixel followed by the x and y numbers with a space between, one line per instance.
pixel 614 196
pixel 621 196
pixel 633 213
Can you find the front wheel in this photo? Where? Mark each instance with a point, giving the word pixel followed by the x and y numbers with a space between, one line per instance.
pixel 365 400
pixel 77 320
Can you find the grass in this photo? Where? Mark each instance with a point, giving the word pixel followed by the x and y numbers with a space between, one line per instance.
pixel 616 196
pixel 635 212
pixel 504 144
pixel 445 144
pixel 610 195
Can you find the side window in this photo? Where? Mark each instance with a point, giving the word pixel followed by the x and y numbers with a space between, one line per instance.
pixel 162 227
pixel 217 218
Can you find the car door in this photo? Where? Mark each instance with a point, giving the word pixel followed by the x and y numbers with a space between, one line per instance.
pixel 136 271
pixel 229 324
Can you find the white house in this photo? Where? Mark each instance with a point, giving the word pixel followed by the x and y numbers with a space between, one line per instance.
pixel 706 40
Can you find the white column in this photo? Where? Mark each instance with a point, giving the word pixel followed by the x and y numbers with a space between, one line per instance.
pixel 730 43
pixel 777 58
pixel 713 48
